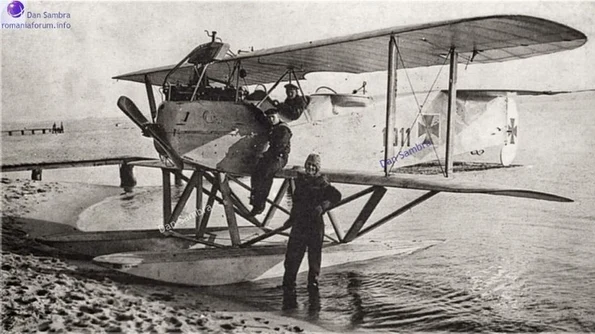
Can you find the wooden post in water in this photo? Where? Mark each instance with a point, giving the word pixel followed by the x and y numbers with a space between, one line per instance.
pixel 127 180
pixel 36 174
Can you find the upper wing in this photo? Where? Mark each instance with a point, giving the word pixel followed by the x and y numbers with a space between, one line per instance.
pixel 483 39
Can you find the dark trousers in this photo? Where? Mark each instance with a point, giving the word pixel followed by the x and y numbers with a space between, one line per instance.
pixel 297 245
pixel 262 179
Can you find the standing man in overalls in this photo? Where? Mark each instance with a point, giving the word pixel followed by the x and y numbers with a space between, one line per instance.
pixel 313 195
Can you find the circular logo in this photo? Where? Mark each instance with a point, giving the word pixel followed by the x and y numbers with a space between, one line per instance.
pixel 209 116
pixel 15 8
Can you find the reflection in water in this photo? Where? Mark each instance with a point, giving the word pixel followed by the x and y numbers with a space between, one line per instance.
pixel 353 290
pixel 133 201
pixel 127 196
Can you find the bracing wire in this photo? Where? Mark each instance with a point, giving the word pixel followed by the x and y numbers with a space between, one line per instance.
pixel 420 107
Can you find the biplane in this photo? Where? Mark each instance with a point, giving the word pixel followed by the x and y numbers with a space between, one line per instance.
pixel 206 124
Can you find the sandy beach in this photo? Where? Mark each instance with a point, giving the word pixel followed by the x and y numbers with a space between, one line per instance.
pixel 47 290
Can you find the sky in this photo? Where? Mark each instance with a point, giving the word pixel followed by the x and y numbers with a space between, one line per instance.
pixel 60 74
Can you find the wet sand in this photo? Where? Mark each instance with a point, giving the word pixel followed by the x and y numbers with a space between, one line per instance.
pixel 47 290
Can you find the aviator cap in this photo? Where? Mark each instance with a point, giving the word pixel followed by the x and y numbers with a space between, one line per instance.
pixel 291 86
pixel 314 159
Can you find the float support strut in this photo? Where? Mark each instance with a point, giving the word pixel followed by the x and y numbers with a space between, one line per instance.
pixel 398 212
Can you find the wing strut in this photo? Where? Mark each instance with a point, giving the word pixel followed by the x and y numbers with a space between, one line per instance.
pixel 237 69
pixel 419 106
pixel 452 107
pixel 398 212
pixel 303 96
pixel 274 86
pixel 151 96
pixel 390 102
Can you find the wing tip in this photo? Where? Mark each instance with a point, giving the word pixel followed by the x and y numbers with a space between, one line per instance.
pixel 532 195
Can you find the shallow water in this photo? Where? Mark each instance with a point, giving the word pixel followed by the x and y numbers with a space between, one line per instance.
pixel 524 270
pixel 507 264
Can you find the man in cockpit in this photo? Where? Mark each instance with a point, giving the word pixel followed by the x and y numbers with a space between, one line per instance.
pixel 294 104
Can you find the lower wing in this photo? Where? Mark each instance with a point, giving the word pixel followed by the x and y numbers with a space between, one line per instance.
pixel 416 182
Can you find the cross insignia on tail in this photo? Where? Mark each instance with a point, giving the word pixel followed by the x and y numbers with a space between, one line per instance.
pixel 429 126
pixel 512 130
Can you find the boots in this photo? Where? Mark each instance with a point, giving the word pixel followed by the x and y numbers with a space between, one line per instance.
pixel 257 208
pixel 313 302
pixel 289 298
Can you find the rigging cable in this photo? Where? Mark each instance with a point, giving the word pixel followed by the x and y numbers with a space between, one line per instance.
pixel 420 107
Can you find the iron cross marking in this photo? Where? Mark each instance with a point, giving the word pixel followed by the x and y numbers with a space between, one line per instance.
pixel 512 130
pixel 428 126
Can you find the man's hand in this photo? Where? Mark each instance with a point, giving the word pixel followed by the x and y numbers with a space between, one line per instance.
pixel 318 210
pixel 325 205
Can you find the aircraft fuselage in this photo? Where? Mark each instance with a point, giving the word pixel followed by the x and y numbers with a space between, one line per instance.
pixel 226 135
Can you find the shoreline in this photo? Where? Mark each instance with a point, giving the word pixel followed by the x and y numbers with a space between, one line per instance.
pixel 47 290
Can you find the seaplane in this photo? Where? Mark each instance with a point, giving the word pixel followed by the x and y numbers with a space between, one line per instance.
pixel 206 126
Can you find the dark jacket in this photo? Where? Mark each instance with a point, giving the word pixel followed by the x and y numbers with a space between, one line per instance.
pixel 279 141
pixel 293 108
pixel 312 196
